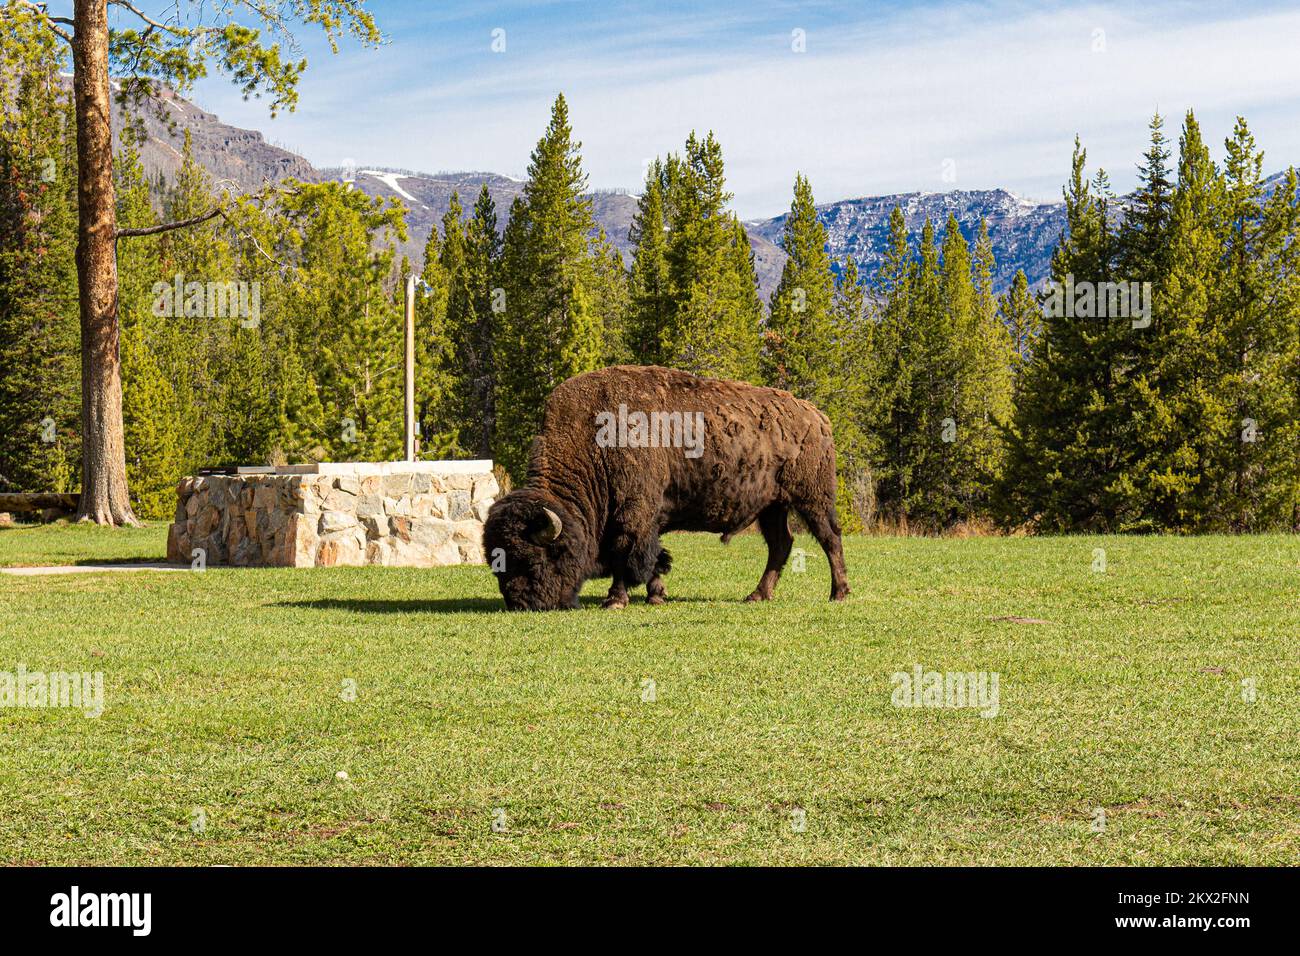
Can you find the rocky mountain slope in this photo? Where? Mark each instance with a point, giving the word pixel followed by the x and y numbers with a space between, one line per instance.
pixel 241 158
pixel 1023 232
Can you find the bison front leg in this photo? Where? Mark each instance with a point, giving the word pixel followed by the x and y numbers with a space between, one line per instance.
pixel 774 522
pixel 629 568
pixel 634 552
pixel 617 597
pixel 655 592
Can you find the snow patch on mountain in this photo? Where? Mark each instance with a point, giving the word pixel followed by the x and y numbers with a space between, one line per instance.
pixel 390 180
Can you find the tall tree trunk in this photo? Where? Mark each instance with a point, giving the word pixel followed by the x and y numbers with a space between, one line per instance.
pixel 103 463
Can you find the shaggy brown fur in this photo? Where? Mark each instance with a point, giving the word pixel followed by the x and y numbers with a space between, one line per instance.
pixel 764 453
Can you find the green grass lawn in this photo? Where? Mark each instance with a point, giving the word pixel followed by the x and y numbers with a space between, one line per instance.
pixel 30 545
pixel 223 693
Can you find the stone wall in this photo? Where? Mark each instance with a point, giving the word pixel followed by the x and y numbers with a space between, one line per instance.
pixel 425 514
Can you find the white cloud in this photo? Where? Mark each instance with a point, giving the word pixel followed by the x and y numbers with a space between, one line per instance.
pixel 867 109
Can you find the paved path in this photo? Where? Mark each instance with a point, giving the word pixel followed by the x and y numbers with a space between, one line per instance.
pixel 90 569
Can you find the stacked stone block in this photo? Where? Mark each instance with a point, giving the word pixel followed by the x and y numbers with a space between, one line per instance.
pixel 413 518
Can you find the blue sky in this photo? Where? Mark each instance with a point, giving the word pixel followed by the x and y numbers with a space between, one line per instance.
pixel 885 97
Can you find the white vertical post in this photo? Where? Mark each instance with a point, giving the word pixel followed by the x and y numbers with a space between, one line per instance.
pixel 409 444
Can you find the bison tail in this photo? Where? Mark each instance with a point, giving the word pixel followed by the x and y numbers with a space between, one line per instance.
pixel 664 563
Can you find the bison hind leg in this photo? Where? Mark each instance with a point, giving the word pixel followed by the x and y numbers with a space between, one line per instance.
pixel 825 527
pixel 774 522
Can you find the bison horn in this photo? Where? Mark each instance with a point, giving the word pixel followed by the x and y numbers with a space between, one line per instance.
pixel 551 530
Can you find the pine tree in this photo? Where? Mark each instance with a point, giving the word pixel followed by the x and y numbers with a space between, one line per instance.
pixel 193 349
pixel 888 412
pixel 299 413
pixel 265 362
pixel 950 392
pixel 552 326
pixel 948 336
pixel 40 431
pixel 461 358
pixel 1180 395
pixel 1256 475
pixel 651 300
pixel 984 345
pixel 348 316
pixel 1144 234
pixel 984 265
pixel 738 355
pixel 855 370
pixel 1071 439
pixel 155 457
pixel 930 398
pixel 609 292
pixel 435 374
pixel 154 424
pixel 1021 314
pixel 797 338
pixel 712 326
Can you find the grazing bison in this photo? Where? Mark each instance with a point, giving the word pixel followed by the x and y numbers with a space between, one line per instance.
pixel 629 452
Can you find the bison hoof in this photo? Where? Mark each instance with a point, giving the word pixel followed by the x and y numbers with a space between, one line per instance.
pixel 757 596
pixel 839 595
pixel 656 599
pixel 614 603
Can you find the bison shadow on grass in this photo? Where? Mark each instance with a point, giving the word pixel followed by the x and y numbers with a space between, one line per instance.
pixel 429 606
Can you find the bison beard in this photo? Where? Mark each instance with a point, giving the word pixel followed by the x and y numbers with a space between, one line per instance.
pixel 591 511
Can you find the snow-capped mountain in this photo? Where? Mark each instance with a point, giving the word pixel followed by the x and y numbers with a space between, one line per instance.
pixel 1023 232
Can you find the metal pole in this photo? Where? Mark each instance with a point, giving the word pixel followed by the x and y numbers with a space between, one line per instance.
pixel 409 444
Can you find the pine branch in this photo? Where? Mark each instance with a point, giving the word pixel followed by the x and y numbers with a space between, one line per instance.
pixel 42 9
pixel 214 212
pixel 170 226
pixel 51 21
pixel 174 29
pixel 258 246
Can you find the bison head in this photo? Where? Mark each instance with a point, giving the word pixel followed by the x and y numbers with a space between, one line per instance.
pixel 534 546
